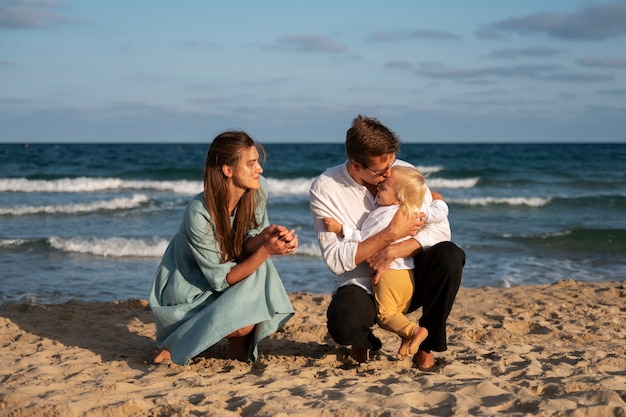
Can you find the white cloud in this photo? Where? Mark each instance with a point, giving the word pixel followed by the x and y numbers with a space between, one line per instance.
pixel 309 43
pixel 30 14
pixel 532 52
pixel 602 62
pixel 595 22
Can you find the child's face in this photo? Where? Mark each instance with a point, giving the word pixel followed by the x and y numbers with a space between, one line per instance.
pixel 386 194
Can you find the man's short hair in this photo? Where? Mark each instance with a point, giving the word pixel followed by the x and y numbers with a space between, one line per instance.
pixel 368 138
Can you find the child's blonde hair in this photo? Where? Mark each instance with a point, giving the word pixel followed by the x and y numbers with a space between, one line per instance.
pixel 411 187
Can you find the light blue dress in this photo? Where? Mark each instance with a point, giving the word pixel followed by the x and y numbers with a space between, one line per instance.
pixel 194 306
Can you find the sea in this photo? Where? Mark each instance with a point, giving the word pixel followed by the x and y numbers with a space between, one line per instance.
pixel 90 222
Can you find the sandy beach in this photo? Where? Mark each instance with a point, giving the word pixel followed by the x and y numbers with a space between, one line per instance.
pixel 550 350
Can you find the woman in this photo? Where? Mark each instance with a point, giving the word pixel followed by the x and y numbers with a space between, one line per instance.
pixel 216 279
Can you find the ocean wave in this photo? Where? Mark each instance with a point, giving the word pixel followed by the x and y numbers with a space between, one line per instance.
pixel 582 239
pixel 90 184
pixel 300 186
pixel 439 183
pixel 309 249
pixel 429 169
pixel 120 203
pixel 13 243
pixel 296 186
pixel 114 247
pixel 119 247
pixel 511 201
pixel 593 200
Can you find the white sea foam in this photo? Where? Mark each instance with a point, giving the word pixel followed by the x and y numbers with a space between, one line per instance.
pixel 114 247
pixel 118 247
pixel 300 186
pixel 296 186
pixel 7 243
pixel 309 249
pixel 120 203
pixel 429 169
pixel 439 183
pixel 89 184
pixel 512 201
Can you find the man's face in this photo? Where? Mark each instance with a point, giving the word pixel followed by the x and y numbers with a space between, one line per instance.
pixel 378 168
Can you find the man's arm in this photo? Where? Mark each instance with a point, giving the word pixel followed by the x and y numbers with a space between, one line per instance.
pixel 400 226
pixel 381 260
pixel 428 233
pixel 342 203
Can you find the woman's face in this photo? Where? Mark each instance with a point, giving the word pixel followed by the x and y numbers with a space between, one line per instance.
pixel 248 172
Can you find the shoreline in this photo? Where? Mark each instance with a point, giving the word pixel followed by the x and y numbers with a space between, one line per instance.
pixel 551 349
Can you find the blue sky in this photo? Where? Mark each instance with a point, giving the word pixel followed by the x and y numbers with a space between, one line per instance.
pixel 288 71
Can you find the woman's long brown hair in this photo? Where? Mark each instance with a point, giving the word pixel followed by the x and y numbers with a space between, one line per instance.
pixel 226 149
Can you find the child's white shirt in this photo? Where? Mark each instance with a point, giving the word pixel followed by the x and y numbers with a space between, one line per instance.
pixel 379 218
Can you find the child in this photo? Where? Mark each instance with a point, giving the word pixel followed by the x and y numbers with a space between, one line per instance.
pixel 403 190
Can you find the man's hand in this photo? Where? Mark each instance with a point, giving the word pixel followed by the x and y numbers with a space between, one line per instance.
pixel 380 262
pixel 404 224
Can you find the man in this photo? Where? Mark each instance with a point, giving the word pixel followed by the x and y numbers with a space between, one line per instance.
pixel 347 193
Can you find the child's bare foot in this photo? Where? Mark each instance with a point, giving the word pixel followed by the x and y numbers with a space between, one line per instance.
pixel 403 352
pixel 410 345
pixel 162 356
pixel 418 335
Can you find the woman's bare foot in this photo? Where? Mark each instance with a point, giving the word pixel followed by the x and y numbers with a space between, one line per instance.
pixel 238 348
pixel 162 356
